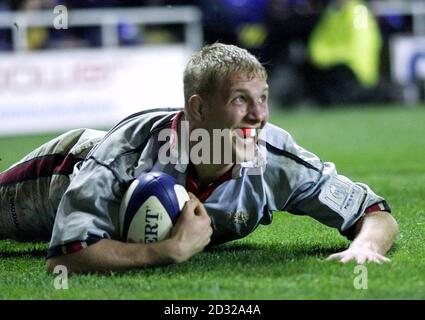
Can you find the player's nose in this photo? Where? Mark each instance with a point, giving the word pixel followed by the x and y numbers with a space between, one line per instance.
pixel 257 112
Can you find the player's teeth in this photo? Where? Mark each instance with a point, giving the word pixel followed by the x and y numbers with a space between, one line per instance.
pixel 247 132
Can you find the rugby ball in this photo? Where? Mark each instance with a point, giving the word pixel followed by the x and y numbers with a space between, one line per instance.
pixel 150 207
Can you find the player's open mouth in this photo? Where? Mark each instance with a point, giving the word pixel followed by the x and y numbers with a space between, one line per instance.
pixel 245 140
pixel 247 133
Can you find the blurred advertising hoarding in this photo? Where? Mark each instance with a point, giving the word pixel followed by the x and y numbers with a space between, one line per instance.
pixel 407 58
pixel 59 90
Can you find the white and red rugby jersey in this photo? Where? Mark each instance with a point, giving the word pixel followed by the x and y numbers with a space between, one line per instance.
pixel 282 177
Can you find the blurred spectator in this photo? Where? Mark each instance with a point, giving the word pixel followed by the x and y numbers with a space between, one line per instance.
pixel 37 36
pixel 344 51
pixel 157 3
pixel 325 53
pixel 154 34
pixel 242 22
pixel 290 23
pixel 129 34
pixel 90 36
pixel 81 36
pixel 348 34
pixel 84 4
pixel 4 33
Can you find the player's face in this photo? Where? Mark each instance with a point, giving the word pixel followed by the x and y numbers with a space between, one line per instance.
pixel 240 102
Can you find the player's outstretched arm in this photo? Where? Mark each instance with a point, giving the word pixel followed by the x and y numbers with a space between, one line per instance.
pixel 375 235
pixel 189 236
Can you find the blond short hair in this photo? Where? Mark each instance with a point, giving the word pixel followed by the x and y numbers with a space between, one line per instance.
pixel 215 63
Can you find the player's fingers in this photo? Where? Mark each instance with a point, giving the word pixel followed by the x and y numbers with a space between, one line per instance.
pixel 334 256
pixel 361 260
pixel 195 207
pixel 347 258
pixel 378 258
pixel 192 196
pixel 189 207
pixel 375 260
pixel 381 259
pixel 331 257
pixel 385 259
pixel 200 210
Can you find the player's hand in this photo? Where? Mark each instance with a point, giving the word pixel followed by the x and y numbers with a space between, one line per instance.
pixel 359 255
pixel 192 231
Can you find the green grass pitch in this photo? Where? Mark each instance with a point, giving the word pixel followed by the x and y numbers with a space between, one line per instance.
pixel 383 147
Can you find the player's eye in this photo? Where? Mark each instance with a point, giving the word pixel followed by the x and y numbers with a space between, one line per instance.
pixel 263 98
pixel 239 100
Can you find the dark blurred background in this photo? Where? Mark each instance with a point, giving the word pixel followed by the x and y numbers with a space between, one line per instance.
pixel 318 52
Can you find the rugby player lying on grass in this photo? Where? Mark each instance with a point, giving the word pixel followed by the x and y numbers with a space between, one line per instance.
pixel 69 190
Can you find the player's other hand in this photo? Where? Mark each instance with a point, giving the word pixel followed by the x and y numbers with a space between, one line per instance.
pixel 192 231
pixel 359 256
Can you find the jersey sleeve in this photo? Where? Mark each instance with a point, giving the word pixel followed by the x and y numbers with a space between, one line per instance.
pixel 336 201
pixel 88 211
pixel 89 208
pixel 301 183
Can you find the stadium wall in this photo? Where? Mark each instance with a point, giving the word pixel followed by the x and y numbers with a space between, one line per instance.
pixel 58 90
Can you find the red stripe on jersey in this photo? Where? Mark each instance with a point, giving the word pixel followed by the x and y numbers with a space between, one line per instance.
pixel 375 207
pixel 192 185
pixel 44 166
pixel 73 247
pixel 176 119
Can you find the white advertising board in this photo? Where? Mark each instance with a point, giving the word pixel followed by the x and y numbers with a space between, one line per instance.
pixel 407 58
pixel 58 90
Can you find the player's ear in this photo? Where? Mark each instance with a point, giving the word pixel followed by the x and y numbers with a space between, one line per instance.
pixel 195 108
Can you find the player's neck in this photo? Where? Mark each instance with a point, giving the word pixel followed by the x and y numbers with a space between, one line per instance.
pixel 208 173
